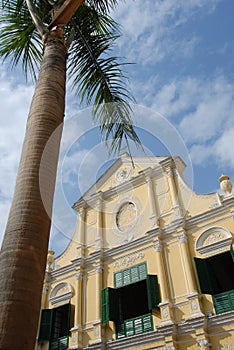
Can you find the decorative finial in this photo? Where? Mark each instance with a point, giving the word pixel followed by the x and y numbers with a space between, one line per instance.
pixel 225 184
pixel 50 261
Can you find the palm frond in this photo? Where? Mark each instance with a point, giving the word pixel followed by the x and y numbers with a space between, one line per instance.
pixel 9 3
pixel 19 40
pixel 102 6
pixel 98 79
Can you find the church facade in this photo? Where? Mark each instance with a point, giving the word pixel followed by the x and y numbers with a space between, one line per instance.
pixel 150 265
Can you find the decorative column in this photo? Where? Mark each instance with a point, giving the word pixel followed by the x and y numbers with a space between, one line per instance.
pixel 174 193
pixel 99 208
pixel 165 306
pixel 99 268
pixel 189 274
pixel 187 262
pixel 152 200
pixel 46 291
pixel 77 335
pixel 98 324
pixel 81 233
pixel 47 280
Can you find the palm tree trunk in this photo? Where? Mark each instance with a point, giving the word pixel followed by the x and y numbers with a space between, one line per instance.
pixel 24 249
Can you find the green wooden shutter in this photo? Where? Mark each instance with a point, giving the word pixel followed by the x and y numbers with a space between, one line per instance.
pixel 207 281
pixel 105 305
pixel 232 253
pixel 61 321
pixel 142 271
pixel 147 323
pixel 138 325
pixel 134 326
pixel 131 275
pixel 53 345
pixel 134 274
pixel 45 325
pixel 223 302
pixel 153 292
pixel 129 328
pixel 110 305
pixel 120 330
pixel 126 277
pixel 59 344
pixel 118 279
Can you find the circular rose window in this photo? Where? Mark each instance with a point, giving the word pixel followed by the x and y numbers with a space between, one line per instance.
pixel 126 216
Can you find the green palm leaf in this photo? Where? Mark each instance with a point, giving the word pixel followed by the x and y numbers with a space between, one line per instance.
pixel 19 39
pixel 98 78
pixel 102 6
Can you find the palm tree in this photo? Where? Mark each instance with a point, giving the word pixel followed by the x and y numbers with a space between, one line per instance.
pixel 28 36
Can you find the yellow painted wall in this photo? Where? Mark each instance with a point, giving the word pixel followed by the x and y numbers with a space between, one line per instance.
pixel 125 248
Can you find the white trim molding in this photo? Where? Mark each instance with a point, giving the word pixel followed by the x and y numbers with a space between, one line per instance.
pixel 61 292
pixel 215 239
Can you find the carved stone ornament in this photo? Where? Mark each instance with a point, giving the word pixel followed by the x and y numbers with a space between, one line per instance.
pixel 50 261
pixel 123 174
pixel 165 313
pixel 213 240
pixel 194 305
pixel 203 343
pixel 61 292
pixel 126 216
pixel 129 260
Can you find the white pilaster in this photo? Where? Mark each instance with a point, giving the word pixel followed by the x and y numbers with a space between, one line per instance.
pixel 81 233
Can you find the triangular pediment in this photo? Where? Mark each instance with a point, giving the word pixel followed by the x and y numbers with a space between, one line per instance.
pixel 123 170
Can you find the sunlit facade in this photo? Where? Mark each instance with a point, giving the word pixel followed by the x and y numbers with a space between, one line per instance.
pixel 150 265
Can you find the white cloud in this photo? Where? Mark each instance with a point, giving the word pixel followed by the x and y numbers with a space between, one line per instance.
pixel 203 108
pixel 14 101
pixel 213 112
pixel 221 151
pixel 223 148
pixel 200 153
pixel 148 27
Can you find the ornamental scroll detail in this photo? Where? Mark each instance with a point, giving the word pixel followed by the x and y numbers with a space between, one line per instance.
pixel 213 238
pixel 129 260
pixel 61 292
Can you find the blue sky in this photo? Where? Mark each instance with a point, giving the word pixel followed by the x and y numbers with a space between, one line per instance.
pixel 183 71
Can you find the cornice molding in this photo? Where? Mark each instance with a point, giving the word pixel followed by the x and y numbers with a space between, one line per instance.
pixel 221 320
pixel 211 322
pixel 209 214
pixel 186 327
pixel 160 164
pixel 135 341
pixel 62 270
pixel 128 247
